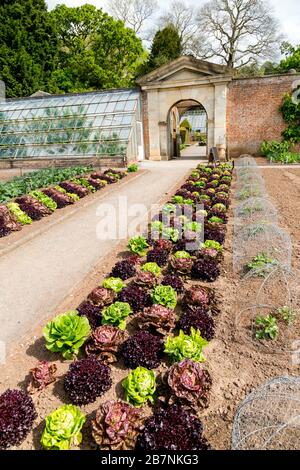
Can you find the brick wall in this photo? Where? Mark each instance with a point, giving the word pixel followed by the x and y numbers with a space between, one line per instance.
pixel 252 111
pixel 145 118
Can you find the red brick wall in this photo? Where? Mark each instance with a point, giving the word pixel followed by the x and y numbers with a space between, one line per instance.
pixel 252 112
pixel 145 118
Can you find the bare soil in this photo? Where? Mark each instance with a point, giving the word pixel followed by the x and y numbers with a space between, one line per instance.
pixel 236 362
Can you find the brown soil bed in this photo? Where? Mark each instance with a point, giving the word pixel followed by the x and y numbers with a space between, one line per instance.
pixel 235 362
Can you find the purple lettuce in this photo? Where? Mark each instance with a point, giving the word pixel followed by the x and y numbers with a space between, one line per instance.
pixel 123 269
pixel 142 349
pixel 137 297
pixel 105 342
pixel 157 319
pixel 199 319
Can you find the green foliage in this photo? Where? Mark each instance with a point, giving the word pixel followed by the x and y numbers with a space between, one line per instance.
pixel 213 244
pixel 182 254
pixel 292 58
pixel 266 327
pixel 139 386
pixel 85 183
pixel 157 226
pixel 33 180
pixel 132 168
pixel 116 314
pixel 19 215
pixel 114 283
pixel 95 50
pixel 287 314
pixel 138 245
pixel 166 47
pixel 63 428
pixel 170 233
pixel 66 333
pixel 45 200
pixel 290 110
pixel 28 46
pixel 193 226
pixel 186 347
pixel 216 220
pixel 73 196
pixel 151 268
pixel 164 295
pixel 262 264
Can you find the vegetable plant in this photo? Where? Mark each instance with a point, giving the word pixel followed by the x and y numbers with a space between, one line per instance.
pixel 132 168
pixel 86 380
pixel 139 386
pixel 17 414
pixel 164 295
pixel 123 269
pixel 19 215
pixel 44 199
pixel 138 245
pixel 262 264
pixel 104 343
pixel 66 333
pixel 158 319
pixel 137 297
pixel 117 425
pixel 186 346
pixel 266 327
pixel 151 268
pixel 41 376
pixel 63 428
pixel 287 314
pixel 213 245
pixel 114 283
pixel 116 314
pixel 142 349
pixel 158 256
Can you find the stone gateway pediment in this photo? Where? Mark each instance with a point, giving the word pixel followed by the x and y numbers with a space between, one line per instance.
pixel 183 69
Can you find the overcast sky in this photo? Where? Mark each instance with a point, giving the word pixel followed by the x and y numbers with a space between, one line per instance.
pixel 287 11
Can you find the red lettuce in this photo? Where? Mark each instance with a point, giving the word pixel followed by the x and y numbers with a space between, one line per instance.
pixel 123 269
pixel 157 319
pixel 104 343
pixel 199 319
pixel 137 297
pixel 41 376
pixel 142 349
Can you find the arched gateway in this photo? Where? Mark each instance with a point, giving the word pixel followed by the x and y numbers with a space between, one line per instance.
pixel 184 80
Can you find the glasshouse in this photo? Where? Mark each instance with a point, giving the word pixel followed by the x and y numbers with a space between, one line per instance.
pixel 90 124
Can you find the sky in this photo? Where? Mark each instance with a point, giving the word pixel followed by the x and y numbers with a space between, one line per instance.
pixel 287 11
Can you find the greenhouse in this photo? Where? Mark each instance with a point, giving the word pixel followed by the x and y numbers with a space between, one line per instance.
pixel 93 124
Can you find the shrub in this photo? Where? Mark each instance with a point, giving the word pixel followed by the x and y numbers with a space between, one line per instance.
pixel 172 428
pixel 186 346
pixel 139 386
pixel 105 342
pixel 63 428
pixel 116 314
pixel 137 297
pixel 66 333
pixel 117 425
pixel 86 380
pixel 142 349
pixel 164 295
pixel 17 414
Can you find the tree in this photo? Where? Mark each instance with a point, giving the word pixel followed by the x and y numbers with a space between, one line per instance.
pixel 96 51
pixel 134 13
pixel 292 57
pixel 184 19
pixel 239 32
pixel 166 46
pixel 28 45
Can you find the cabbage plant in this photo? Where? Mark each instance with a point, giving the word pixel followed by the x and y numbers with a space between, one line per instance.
pixel 66 333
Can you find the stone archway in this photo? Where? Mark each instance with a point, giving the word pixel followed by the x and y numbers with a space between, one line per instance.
pixel 183 79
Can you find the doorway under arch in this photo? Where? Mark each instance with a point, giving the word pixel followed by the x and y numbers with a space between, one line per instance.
pixel 187 126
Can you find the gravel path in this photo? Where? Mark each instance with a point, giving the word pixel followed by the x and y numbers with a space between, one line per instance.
pixel 36 277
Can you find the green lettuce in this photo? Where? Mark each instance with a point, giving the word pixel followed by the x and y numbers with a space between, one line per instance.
pixel 213 245
pixel 73 196
pixel 182 254
pixel 138 245
pixel 170 233
pixel 116 314
pixel 63 428
pixel 19 215
pixel 186 347
pixel 164 295
pixel 139 386
pixel 151 268
pixel 66 333
pixel 43 199
pixel 114 283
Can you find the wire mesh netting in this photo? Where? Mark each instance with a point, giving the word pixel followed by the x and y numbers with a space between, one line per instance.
pixel 269 417
pixel 245 160
pixel 261 246
pixel 95 124
pixel 254 210
pixel 277 294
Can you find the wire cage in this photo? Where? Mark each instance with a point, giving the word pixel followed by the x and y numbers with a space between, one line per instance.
pixel 245 160
pixel 277 294
pixel 253 210
pixel 269 417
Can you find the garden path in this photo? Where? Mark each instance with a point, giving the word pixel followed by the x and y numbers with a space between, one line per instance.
pixel 36 276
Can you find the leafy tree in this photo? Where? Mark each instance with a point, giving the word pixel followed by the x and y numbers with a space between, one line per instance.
pixel 166 47
pixel 292 57
pixel 28 46
pixel 95 50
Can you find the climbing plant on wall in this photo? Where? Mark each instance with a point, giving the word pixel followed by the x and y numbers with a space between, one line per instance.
pixel 290 110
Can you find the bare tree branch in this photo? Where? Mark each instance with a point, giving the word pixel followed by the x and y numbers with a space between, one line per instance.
pixel 134 13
